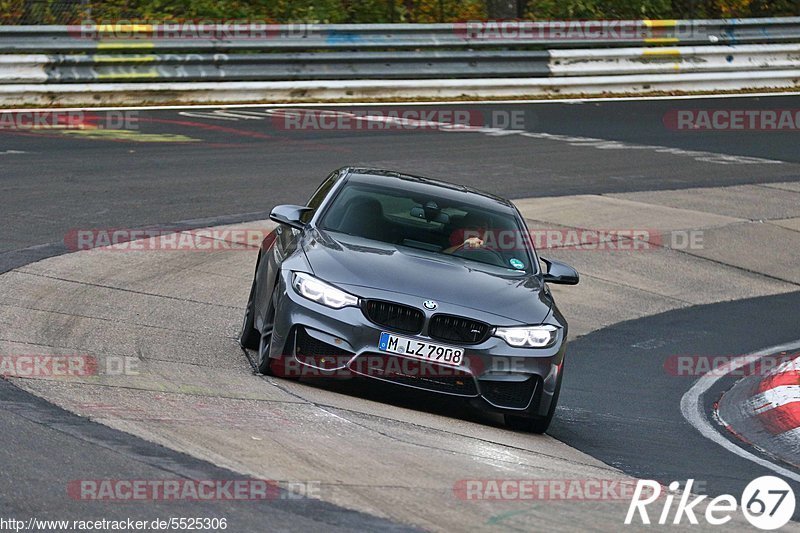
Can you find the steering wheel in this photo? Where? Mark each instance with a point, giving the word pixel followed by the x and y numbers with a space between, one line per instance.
pixel 495 257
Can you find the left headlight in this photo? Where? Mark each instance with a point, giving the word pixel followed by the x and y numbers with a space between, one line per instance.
pixel 528 336
pixel 318 291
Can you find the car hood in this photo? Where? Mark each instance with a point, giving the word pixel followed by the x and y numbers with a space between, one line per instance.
pixel 347 260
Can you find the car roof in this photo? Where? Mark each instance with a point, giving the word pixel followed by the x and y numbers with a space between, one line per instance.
pixel 413 183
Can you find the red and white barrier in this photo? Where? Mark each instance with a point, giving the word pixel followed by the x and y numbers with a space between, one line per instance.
pixel 764 411
pixel 776 406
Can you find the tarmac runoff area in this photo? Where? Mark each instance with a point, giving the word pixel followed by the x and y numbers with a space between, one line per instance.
pixel 173 317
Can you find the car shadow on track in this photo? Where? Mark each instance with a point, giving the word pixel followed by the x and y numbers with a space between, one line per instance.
pixel 400 396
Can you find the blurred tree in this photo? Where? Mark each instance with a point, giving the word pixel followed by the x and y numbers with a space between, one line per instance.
pixel 366 11
pixel 775 8
pixel 733 8
pixel 502 9
pixel 596 9
pixel 11 11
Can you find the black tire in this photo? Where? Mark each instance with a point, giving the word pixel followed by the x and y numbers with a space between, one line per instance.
pixel 270 366
pixel 538 424
pixel 249 337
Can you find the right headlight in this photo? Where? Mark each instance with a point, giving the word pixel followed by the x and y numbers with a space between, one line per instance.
pixel 528 336
pixel 318 291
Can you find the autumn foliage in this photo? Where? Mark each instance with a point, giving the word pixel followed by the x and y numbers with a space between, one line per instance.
pixel 376 11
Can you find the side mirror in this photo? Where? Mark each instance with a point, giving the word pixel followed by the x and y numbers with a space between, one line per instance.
pixel 289 215
pixel 558 272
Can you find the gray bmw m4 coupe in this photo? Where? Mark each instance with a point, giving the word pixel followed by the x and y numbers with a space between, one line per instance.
pixel 416 282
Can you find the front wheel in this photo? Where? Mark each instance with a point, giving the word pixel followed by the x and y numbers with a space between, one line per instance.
pixel 271 366
pixel 249 336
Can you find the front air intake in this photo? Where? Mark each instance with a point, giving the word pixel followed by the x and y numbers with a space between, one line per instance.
pixel 458 329
pixel 394 316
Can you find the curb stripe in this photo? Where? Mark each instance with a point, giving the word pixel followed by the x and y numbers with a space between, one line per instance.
pixel 694 411
pixel 789 378
pixel 786 366
pixel 730 429
pixel 772 398
pixel 776 404
pixel 781 419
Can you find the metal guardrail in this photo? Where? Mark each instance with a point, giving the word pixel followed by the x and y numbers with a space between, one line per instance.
pixel 675 60
pixel 393 65
pixel 190 56
pixel 157 93
pixel 330 37
pixel 259 66
pixel 238 52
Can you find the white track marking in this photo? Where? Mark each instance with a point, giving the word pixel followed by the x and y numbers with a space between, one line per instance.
pixel 428 103
pixel 692 409
pixel 225 114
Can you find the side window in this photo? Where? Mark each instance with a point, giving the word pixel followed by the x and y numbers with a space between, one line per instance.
pixel 319 195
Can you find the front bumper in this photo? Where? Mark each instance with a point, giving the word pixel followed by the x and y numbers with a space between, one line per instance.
pixel 314 340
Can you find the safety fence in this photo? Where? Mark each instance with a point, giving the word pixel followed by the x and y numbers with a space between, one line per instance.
pixel 522 58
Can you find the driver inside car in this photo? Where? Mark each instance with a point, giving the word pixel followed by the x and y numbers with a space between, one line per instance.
pixel 471 235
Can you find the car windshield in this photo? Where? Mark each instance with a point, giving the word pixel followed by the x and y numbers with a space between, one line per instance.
pixel 436 224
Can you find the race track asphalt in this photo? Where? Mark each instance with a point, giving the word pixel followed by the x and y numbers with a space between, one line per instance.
pixel 198 168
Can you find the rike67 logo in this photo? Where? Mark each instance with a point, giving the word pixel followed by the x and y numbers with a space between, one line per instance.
pixel 767 502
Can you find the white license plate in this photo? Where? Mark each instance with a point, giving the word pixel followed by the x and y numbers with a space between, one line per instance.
pixel 428 351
